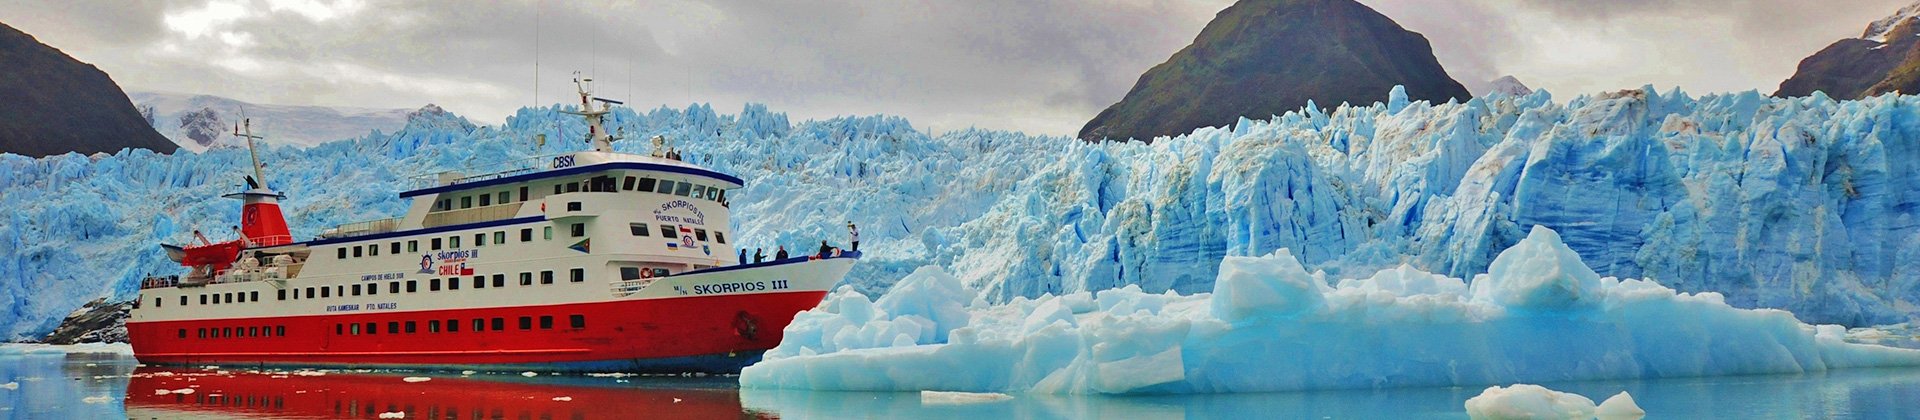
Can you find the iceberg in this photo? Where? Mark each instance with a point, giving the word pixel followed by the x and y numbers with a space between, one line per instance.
pixel 1539 315
pixel 1801 204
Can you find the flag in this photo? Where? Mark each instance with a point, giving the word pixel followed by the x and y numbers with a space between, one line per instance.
pixel 585 245
pixel 673 245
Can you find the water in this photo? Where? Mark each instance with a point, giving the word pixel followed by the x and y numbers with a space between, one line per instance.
pixel 93 386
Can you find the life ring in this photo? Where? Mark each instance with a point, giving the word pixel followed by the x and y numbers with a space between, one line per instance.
pixel 646 273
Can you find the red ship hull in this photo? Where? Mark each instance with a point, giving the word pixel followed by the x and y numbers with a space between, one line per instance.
pixel 695 333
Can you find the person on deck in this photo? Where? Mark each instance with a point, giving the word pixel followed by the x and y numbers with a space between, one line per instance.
pixel 855 230
pixel 743 256
pixel 781 254
pixel 824 249
pixel 759 254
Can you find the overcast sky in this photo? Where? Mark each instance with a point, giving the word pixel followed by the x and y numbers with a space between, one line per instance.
pixel 1036 66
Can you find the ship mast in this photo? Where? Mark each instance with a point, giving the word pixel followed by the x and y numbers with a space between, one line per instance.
pixel 596 131
pixel 258 173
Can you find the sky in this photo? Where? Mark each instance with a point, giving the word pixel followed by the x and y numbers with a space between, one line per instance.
pixel 1039 66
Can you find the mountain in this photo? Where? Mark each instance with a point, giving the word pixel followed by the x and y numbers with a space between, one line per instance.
pixel 1885 58
pixel 54 104
pixel 1260 58
pixel 1505 85
pixel 198 122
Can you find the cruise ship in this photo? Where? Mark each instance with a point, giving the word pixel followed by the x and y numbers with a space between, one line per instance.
pixel 591 261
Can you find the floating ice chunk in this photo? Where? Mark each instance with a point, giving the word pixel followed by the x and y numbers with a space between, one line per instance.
pixel 1273 285
pixel 529 374
pixel 956 398
pixel 10 385
pixel 98 399
pixel 612 375
pixel 1619 407
pixel 467 373
pixel 1539 273
pixel 394 415
pixel 563 398
pixel 184 391
pixel 309 373
pixel 416 379
pixel 1527 401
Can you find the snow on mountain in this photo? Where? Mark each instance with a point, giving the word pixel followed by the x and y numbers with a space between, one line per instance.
pixel 1879 29
pixel 197 122
pixel 1804 204
pixel 1505 85
pixel 1268 325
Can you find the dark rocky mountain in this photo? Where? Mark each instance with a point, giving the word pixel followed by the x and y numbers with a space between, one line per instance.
pixel 55 104
pixel 1886 58
pixel 1260 58
pixel 97 322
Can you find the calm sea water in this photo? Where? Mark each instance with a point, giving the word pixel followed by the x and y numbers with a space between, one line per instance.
pixel 107 386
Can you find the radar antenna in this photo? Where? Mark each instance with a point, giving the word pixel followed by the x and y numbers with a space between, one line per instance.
pixel 597 134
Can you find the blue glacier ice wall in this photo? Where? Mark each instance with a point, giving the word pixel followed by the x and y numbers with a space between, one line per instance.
pixel 1804 204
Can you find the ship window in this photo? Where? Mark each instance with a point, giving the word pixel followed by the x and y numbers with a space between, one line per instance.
pixel 577 321
pixel 526 235
pixel 577 275
pixel 373 250
pixel 523 194
pixel 556 189
pixel 628 185
pixel 699 191
pixel 339 329
pixel 700 234
pixel 573 206
pixel 713 193
pixel 546 232
pixel 394 248
pixel 343 253
pixel 719 236
pixel 411 286
pixel 326 293
pixel 479 282
pixel 253 296
pixel 356 290
pixel 721 197
pixel 436 244
pixel 309 293
pixel 526 323
pixel 433 285
pixel 156 303
pixel 667 231
pixel 646 184
pixel 183 300
pixel 546 277
pixel 499 280
pixel 393 327
pixel 526 279
pixel 280 331
pixel 341 290
pixel 479 325
pixel 546 322
pixel 682 189
pixel 433 326
pixel 453 283
pixel 665 187
pixel 253 331
pixel 453 325
pixel 479 239
pixel 453 242
pixel 354 330
pixel 499 237
pixel 573 187
pixel 373 328
pixel 356 251
pixel 226 332
pixel 486 200
pixel 283 294
pixel 499 324
pixel 629 273
pixel 639 229
pixel 203 299
pixel 578 229
pixel 413 246
pixel 393 287
pixel 504 198
pixel 183 333
pixel 228 297
pixel 373 288
pixel 201 332
pixel 466 202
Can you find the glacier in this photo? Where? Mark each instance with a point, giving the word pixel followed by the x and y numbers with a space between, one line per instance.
pixel 1539 315
pixel 1801 204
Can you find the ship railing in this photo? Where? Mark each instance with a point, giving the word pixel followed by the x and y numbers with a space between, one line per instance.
pixel 160 282
pixel 623 288
pixel 363 228
pixel 473 215
pixel 274 240
pixel 486 172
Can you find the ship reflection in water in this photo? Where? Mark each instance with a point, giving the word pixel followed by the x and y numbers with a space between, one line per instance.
pixel 170 393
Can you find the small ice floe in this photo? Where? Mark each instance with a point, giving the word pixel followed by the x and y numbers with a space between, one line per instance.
pixel 184 391
pixel 309 373
pixel 953 398
pixel 161 392
pixel 676 400
pixel 162 374
pixel 411 379
pixel 92 364
pixel 211 367
pixel 529 374
pixel 612 375
pixel 467 373
pixel 1619 407
pixel 394 415
pixel 97 399
pixel 10 385
pixel 1527 401
pixel 563 398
